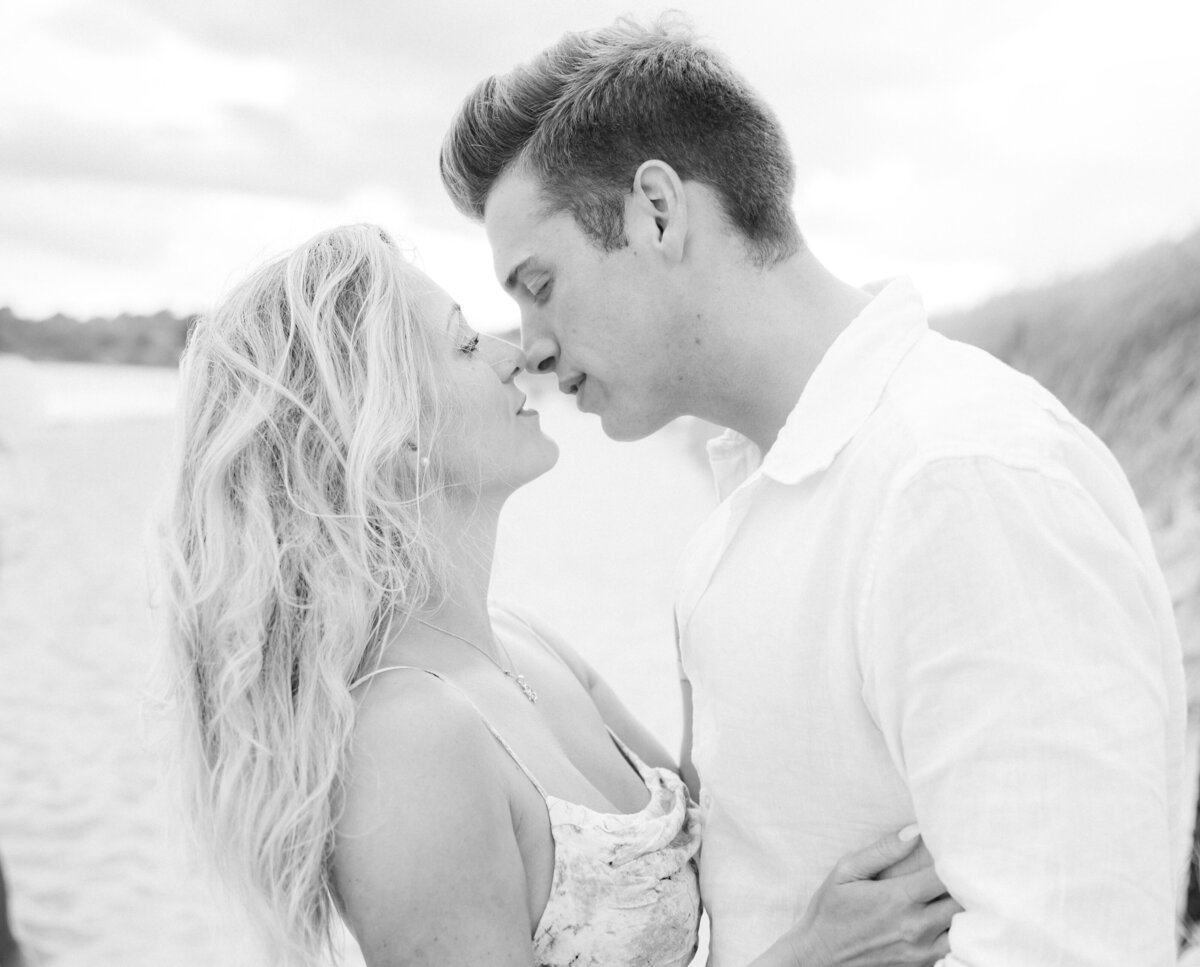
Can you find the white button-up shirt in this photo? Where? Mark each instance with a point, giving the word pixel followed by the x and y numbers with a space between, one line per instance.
pixel 935 601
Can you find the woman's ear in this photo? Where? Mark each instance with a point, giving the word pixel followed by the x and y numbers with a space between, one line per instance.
pixel 414 456
pixel 657 212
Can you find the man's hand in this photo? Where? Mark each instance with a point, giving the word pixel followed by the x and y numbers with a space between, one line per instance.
pixel 882 906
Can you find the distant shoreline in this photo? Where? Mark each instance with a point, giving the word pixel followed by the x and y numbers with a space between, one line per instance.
pixel 155 340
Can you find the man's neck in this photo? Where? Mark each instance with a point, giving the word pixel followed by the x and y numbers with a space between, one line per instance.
pixel 768 329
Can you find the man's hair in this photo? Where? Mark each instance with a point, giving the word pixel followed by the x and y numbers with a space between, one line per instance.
pixel 588 111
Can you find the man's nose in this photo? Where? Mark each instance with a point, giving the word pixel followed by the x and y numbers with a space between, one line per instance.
pixel 541 352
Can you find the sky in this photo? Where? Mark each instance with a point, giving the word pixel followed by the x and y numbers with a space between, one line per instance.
pixel 153 151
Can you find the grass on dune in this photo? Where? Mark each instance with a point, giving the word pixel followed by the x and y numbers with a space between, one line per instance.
pixel 1121 348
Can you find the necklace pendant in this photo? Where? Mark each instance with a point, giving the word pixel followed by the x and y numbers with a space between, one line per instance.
pixel 526 688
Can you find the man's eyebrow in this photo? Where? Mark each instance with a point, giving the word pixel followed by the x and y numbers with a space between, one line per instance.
pixel 511 281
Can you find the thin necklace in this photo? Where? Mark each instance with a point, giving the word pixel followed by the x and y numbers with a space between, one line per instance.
pixel 526 688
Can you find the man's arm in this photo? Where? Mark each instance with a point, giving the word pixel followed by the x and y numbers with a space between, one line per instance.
pixel 687 768
pixel 1012 655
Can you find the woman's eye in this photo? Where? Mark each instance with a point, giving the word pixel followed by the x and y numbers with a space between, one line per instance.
pixel 468 348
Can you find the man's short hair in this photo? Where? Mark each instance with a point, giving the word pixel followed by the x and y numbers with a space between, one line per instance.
pixel 588 111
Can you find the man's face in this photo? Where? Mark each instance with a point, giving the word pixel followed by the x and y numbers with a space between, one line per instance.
pixel 602 321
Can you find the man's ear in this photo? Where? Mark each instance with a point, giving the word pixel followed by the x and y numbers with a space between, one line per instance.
pixel 657 213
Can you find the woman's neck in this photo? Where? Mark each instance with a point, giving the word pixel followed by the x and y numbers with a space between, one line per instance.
pixel 468 535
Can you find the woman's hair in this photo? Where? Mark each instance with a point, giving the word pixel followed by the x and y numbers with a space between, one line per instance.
pixel 588 111
pixel 299 527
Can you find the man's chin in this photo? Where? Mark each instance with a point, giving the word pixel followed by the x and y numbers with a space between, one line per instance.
pixel 624 429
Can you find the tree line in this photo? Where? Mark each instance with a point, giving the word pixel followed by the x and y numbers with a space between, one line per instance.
pixel 154 340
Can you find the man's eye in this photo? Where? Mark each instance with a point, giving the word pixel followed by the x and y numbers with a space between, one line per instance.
pixel 468 348
pixel 539 288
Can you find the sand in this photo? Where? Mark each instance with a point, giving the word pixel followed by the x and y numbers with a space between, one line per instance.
pixel 94 877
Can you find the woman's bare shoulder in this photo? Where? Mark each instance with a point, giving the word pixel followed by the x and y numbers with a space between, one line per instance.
pixel 411 722
pixel 425 834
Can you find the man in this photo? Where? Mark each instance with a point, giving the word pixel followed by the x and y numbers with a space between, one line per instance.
pixel 928 594
pixel 10 950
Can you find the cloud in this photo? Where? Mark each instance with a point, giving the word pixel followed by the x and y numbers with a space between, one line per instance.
pixel 1013 140
pixel 93 248
pixel 81 220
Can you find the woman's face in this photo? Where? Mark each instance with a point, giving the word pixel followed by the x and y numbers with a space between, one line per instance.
pixel 494 444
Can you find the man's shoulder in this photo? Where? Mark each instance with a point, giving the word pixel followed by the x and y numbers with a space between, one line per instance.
pixel 947 397
pixel 953 406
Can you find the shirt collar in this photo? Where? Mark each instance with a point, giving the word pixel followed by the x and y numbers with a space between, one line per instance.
pixel 732 457
pixel 839 396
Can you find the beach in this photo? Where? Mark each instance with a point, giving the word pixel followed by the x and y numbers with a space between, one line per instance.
pixel 98 868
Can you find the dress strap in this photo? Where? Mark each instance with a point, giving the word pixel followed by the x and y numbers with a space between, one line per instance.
pixel 441 678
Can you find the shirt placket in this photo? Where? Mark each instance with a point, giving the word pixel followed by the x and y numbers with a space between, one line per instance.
pixel 694 584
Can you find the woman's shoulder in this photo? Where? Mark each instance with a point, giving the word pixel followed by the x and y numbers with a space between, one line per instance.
pixel 415 722
pixel 422 762
pixel 423 805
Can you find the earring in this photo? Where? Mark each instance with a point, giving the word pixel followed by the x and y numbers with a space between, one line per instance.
pixel 424 461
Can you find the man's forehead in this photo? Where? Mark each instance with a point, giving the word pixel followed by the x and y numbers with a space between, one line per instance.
pixel 511 216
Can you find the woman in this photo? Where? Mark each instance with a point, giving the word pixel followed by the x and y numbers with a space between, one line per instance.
pixel 367 737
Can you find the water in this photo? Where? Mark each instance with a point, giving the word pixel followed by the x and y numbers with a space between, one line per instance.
pixel 86 393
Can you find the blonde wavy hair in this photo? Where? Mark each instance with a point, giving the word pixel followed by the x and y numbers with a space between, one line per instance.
pixel 299 528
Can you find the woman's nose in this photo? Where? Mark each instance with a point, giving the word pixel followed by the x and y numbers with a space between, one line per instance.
pixel 512 367
pixel 507 360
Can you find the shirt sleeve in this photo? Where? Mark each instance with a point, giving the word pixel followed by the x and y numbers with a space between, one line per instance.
pixel 1013 662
